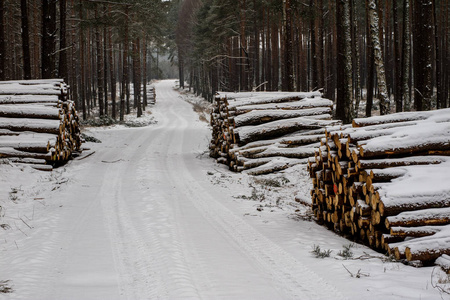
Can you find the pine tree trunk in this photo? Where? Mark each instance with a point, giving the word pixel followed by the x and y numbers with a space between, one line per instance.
pixel 74 78
pixel 112 75
pixel 144 76
pixel 256 60
pixel 63 72
pixel 275 57
pixel 356 59
pixel 320 45
pixel 406 55
pixel 48 38
pixel 446 55
pixel 439 96
pixel 98 43
pixel 268 56
pixel 423 53
pixel 36 41
pixel 137 76
pixel 105 66
pixel 344 101
pixel 378 57
pixel 124 93
pixel 243 46
pixel 370 65
pixel 313 52
pixel 398 61
pixel 82 65
pixel 25 40
pixel 2 40
pixel 287 82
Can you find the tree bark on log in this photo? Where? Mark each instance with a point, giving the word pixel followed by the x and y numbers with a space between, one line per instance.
pixel 296 105
pixel 437 216
pixel 428 250
pixel 391 207
pixel 30 112
pixel 257 117
pixel 420 231
pixel 277 128
pixel 400 162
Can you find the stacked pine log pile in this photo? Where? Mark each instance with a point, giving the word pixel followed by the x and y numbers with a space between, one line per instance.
pixel 38 123
pixel 264 132
pixel 151 95
pixel 385 181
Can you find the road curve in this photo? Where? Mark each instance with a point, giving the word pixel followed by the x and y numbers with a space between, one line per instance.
pixel 141 220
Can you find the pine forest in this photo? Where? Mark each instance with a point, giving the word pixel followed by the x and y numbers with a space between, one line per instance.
pixel 370 56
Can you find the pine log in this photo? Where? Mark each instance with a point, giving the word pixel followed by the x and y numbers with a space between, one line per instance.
pixel 429 137
pixel 297 139
pixel 25 124
pixel 363 134
pixel 39 167
pixel 428 250
pixel 7 132
pixel 250 153
pixel 398 117
pixel 297 105
pixel 253 163
pixel 39 147
pixel 27 160
pixel 51 81
pixel 300 152
pixel 387 239
pixel 384 175
pixel 433 216
pixel 394 206
pixel 27 89
pixel 420 231
pixel 435 146
pixel 444 262
pixel 257 117
pixel 274 129
pixel 30 111
pixel 10 152
pixel 275 165
pixel 247 98
pixel 400 162
pixel 28 99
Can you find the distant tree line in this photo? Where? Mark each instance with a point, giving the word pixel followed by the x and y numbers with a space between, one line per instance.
pixel 92 44
pixel 397 51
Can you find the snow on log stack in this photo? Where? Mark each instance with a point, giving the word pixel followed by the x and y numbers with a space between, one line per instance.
pixel 386 181
pixel 38 124
pixel 264 132
pixel 151 95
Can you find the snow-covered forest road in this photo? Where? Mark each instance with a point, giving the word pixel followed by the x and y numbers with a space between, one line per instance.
pixel 149 216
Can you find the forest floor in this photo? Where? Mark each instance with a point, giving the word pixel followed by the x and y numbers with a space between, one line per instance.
pixel 149 215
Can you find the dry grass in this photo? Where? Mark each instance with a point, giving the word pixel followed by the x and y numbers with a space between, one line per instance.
pixel 4 287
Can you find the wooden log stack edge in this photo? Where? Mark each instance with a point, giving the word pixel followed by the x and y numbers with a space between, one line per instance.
pixel 39 125
pixel 384 181
pixel 265 132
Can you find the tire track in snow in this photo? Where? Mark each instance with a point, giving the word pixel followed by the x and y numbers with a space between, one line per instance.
pixel 148 269
pixel 292 278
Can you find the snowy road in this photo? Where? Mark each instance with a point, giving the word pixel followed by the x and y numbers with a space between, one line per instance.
pixel 142 218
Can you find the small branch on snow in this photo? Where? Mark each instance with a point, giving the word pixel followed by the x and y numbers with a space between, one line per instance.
pixel 438 287
pixel 111 162
pixel 358 274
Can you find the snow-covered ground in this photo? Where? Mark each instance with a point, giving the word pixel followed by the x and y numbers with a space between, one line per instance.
pixel 150 216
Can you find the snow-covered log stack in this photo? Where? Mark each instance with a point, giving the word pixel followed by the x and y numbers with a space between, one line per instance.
pixel 151 95
pixel 263 132
pixel 38 123
pixel 385 180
